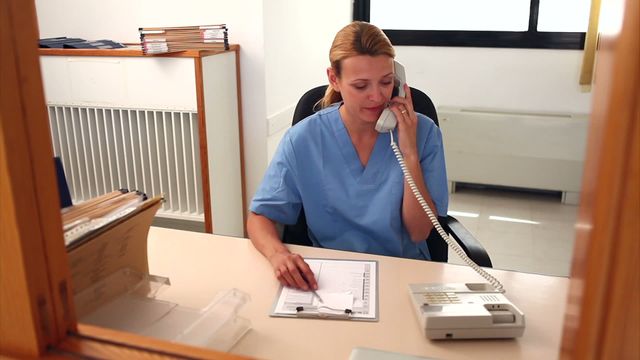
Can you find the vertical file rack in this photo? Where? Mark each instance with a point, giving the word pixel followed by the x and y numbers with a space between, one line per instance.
pixel 113 289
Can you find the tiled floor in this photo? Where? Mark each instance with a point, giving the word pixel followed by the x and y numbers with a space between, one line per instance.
pixel 523 231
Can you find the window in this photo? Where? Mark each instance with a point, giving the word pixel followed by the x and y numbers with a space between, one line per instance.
pixel 538 24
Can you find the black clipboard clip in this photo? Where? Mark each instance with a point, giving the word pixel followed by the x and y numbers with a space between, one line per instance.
pixel 333 314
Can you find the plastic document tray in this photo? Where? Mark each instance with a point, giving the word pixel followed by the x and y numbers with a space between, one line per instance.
pixel 126 300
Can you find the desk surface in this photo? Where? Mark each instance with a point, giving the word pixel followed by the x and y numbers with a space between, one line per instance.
pixel 199 265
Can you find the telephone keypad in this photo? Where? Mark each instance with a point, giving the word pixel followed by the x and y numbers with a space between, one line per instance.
pixel 441 298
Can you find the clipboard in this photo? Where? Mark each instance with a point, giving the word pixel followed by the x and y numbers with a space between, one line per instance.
pixel 347 290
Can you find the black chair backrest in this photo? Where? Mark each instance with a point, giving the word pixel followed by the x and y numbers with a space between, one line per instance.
pixel 307 105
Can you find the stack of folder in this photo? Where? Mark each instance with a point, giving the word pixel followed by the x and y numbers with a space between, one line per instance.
pixel 160 40
pixel 107 234
pixel 80 220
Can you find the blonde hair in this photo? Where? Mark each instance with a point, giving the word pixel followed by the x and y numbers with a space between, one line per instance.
pixel 357 38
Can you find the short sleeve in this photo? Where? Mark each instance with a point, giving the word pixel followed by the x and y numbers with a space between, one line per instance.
pixel 278 196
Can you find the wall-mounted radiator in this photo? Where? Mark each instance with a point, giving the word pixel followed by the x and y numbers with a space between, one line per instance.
pixel 156 151
pixel 517 149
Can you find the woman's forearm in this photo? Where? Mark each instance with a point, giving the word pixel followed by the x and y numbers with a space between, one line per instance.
pixel 413 215
pixel 264 235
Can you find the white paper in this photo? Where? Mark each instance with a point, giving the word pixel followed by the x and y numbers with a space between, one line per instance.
pixel 336 303
pixel 342 285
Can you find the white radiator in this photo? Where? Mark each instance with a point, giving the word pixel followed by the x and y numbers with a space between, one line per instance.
pixel 519 149
pixel 155 151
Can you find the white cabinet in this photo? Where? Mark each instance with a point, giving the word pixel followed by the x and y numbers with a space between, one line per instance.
pixel 167 124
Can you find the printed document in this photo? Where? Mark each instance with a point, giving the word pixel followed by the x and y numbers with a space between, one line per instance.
pixel 347 289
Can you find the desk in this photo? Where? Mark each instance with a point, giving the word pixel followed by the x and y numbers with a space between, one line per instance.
pixel 199 265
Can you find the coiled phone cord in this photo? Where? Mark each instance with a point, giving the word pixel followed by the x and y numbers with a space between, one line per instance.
pixel 456 248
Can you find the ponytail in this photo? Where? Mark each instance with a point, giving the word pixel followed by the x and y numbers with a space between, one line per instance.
pixel 330 97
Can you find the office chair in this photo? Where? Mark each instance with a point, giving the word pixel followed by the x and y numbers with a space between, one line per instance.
pixel 297 233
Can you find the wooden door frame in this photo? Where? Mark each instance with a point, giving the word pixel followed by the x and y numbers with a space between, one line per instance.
pixel 602 317
pixel 37 316
pixel 36 312
pixel 35 275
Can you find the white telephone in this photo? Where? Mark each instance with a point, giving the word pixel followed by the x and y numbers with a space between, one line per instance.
pixel 465 311
pixel 387 120
pixel 454 311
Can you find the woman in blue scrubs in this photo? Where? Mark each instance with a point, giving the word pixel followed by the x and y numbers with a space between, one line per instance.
pixel 344 173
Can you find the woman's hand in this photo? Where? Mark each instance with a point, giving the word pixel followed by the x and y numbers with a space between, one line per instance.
pixel 292 271
pixel 413 215
pixel 402 107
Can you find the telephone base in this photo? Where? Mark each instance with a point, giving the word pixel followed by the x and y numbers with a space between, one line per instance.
pixel 465 311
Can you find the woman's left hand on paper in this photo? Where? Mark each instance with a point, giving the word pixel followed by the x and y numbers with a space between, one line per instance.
pixel 292 271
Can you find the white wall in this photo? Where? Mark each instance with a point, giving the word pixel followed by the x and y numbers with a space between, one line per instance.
pixel 119 20
pixel 514 79
pixel 517 79
pixel 284 52
pixel 298 35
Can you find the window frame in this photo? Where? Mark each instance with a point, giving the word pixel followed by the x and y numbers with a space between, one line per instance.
pixel 530 39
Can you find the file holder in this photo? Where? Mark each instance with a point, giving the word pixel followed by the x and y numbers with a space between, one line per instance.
pixel 117 245
pixel 113 288
pixel 126 300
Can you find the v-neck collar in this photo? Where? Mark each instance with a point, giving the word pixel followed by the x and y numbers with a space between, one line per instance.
pixel 363 175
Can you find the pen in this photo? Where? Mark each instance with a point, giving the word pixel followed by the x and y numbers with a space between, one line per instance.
pixel 311 289
pixel 318 296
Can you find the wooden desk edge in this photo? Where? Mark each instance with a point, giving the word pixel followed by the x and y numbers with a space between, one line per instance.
pixel 100 342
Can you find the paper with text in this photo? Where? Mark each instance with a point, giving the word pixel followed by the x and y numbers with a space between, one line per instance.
pixel 342 285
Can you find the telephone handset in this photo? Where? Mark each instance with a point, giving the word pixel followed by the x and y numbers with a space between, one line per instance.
pixel 486 312
pixel 387 120
pixel 386 123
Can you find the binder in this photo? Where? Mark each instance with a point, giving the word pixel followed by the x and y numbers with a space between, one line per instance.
pixel 78 43
pixel 63 189
pixel 58 42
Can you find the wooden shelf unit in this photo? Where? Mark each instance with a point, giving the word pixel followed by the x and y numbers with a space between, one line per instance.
pixel 206 82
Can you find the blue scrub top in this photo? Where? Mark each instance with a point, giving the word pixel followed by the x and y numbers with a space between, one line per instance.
pixel 348 206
